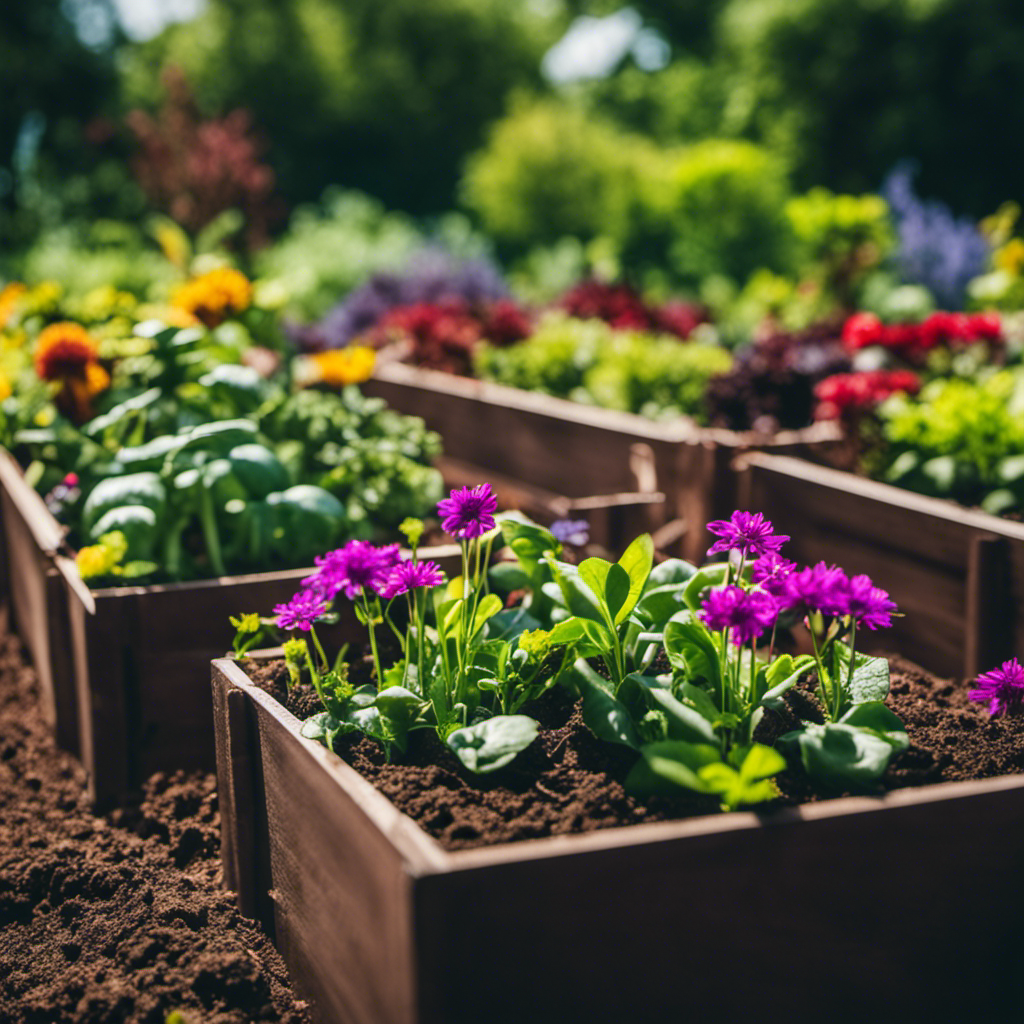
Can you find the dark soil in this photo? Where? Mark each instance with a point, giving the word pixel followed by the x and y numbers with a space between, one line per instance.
pixel 568 781
pixel 119 918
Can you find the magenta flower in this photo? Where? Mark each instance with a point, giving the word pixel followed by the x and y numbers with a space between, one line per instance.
pixel 575 532
pixel 407 576
pixel 821 588
pixel 301 611
pixel 468 512
pixel 771 571
pixel 1003 688
pixel 352 569
pixel 746 613
pixel 869 605
pixel 748 532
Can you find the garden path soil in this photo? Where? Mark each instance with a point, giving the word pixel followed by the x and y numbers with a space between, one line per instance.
pixel 121 918
pixel 569 781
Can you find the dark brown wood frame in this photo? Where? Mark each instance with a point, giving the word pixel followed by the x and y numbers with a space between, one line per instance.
pixel 885 909
pixel 956 573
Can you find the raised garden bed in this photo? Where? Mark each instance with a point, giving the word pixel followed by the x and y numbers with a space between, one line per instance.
pixel 885 897
pixel 957 573
pixel 579 450
pixel 122 669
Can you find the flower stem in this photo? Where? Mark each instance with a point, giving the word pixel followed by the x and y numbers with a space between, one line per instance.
pixel 373 638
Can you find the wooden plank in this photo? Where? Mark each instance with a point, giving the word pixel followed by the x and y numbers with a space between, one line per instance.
pixel 871 902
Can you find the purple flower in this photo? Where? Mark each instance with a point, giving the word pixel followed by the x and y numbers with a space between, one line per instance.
pixel 468 512
pixel 771 571
pixel 869 605
pixel 408 576
pixel 1003 688
pixel 822 588
pixel 575 532
pixel 354 568
pixel 747 613
pixel 301 611
pixel 745 531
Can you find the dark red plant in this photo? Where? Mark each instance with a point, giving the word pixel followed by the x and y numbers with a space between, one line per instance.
pixel 194 169
pixel 622 306
pixel 847 395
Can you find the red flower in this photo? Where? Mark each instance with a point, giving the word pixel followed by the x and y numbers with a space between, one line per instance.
pixel 680 318
pixel 861 331
pixel 846 393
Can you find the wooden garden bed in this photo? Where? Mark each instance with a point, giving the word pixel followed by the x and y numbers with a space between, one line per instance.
pixel 578 450
pixel 123 670
pixel 956 573
pixel 847 909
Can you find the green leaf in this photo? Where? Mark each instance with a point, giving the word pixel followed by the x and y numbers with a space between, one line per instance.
pixel 617 591
pixel 669 764
pixel 673 571
pixel 709 576
pixel 637 560
pixel 870 676
pixel 684 723
pixel 881 720
pixel 579 598
pixel 325 728
pixel 691 650
pixel 761 762
pixel 701 701
pixel 493 743
pixel 604 715
pixel 488 607
pixel 567 632
pixel 507 576
pixel 782 675
pixel 840 755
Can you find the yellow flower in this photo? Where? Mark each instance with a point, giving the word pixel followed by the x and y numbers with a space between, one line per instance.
pixel 104 558
pixel 342 366
pixel 214 296
pixel 9 297
pixel 5 388
pixel 95 560
pixel 1010 257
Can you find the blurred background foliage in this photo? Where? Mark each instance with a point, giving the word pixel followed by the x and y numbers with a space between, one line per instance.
pixel 729 148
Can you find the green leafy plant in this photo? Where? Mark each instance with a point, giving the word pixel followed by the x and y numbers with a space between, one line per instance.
pixel 592 362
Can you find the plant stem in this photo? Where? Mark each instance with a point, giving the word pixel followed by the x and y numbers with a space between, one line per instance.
pixel 210 533
pixel 373 638
pixel 319 649
pixel 821 672
pixel 853 657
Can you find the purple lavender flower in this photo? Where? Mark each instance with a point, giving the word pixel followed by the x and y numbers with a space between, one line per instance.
pixel 822 588
pixel 575 532
pixel 354 568
pixel 408 576
pixel 1003 688
pixel 771 571
pixel 745 531
pixel 301 611
pixel 430 276
pixel 468 512
pixel 869 605
pixel 746 613
pixel 935 248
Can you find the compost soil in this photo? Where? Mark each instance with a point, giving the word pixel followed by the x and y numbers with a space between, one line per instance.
pixel 568 781
pixel 120 918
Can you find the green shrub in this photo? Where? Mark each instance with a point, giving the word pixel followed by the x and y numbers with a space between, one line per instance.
pixel 550 170
pixel 723 201
pixel 589 361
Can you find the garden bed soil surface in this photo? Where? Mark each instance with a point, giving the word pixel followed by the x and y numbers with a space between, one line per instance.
pixel 120 918
pixel 568 781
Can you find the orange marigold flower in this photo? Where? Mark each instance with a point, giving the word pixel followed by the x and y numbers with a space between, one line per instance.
pixel 215 296
pixel 342 366
pixel 9 296
pixel 64 351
